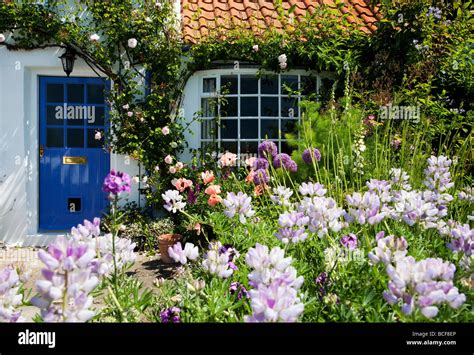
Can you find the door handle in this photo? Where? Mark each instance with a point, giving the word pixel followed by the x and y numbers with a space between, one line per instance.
pixel 41 151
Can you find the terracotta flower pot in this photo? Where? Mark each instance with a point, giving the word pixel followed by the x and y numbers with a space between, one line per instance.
pixel 165 241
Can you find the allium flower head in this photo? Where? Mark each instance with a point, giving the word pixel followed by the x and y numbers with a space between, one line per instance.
pixel 261 177
pixel 267 149
pixel 283 160
pixel 260 163
pixel 310 155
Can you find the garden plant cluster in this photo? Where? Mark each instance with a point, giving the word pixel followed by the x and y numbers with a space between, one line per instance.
pixel 367 220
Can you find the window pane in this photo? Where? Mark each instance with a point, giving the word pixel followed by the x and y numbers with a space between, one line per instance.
pixel 229 107
pixel 248 148
pixel 248 129
pixel 289 83
pixel 228 129
pixel 95 94
pixel 269 106
pixel 248 84
pixel 289 107
pixel 54 137
pixel 308 85
pixel 229 147
pixel 285 148
pixel 209 107
pixel 208 147
pixel 269 84
pixel 75 93
pixel 54 115
pixel 208 129
pixel 248 106
pixel 76 115
pixel 209 85
pixel 54 93
pixel 269 129
pixel 229 84
pixel 288 126
pixel 75 138
pixel 96 116
pixel 92 142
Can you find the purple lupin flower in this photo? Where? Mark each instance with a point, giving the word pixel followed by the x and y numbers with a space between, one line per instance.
pixel 116 183
pixel 238 289
pixel 64 293
pixel 349 241
pixel 170 315
pixel 267 149
pixel 10 296
pixel 238 204
pixel 311 154
pixel 293 227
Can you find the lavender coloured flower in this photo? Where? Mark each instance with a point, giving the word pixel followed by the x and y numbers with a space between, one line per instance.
pixel 267 149
pixel 219 260
pixel 323 213
pixel 116 183
pixel 261 177
pixel 400 179
pixel 170 315
pixel 293 227
pixel 389 249
pixel 64 293
pixel 311 154
pixel 322 281
pixel 312 189
pixel 462 241
pixel 281 195
pixel 422 284
pixel 274 297
pixel 349 241
pixel 238 204
pixel 283 160
pixel 435 12
pixel 10 296
pixel 178 254
pixel 366 208
pixel 382 188
pixel 437 175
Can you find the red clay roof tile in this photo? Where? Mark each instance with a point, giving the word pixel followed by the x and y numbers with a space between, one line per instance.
pixel 201 16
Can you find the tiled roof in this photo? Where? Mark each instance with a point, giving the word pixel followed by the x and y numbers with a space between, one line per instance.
pixel 199 17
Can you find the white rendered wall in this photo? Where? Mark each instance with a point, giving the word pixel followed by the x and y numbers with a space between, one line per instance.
pixel 19 72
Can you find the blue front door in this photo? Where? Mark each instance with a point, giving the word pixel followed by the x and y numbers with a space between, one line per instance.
pixel 73 162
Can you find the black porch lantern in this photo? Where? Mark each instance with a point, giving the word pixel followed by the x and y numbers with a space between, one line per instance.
pixel 67 59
